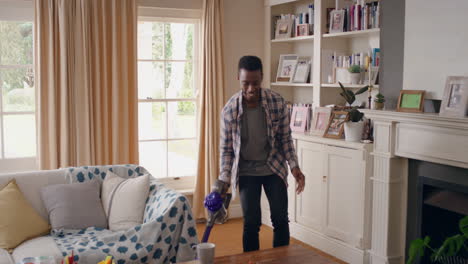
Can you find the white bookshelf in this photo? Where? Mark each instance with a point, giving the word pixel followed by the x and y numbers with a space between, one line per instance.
pixel 354 34
pixel 292 84
pixel 295 39
pixel 336 85
pixel 318 47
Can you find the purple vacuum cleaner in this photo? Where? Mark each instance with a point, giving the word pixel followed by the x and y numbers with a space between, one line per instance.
pixel 216 205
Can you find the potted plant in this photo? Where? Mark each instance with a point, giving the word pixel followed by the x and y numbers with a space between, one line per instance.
pixel 379 101
pixel 354 127
pixel 354 74
pixel 454 249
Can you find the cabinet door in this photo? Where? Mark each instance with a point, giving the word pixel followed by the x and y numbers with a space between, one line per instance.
pixel 309 202
pixel 343 195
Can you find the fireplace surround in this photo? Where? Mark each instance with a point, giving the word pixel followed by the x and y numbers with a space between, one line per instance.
pixel 399 137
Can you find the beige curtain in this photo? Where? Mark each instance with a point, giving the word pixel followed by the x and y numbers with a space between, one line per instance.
pixel 211 102
pixel 87 82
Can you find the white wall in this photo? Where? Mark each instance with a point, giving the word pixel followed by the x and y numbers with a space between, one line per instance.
pixel 435 44
pixel 243 35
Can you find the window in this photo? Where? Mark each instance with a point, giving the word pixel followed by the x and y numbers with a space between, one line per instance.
pixel 17 100
pixel 167 108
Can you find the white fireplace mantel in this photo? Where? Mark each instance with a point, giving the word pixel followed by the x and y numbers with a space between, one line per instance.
pixel 398 137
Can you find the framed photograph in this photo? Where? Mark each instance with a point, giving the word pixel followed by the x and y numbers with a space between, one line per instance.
pixel 284 28
pixel 286 68
pixel 336 21
pixel 411 101
pixel 302 30
pixel 455 100
pixel 320 119
pixel 335 126
pixel 299 118
pixel 302 72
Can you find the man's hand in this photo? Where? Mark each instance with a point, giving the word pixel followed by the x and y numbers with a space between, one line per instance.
pixel 300 179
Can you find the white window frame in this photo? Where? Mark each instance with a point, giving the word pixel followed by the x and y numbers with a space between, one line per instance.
pixel 17 11
pixel 186 183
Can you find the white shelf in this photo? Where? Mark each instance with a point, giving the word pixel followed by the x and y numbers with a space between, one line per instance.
pixel 375 86
pixel 278 2
pixel 295 39
pixel 292 84
pixel 353 34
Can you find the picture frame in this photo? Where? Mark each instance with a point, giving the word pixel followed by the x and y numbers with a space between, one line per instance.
pixel 320 119
pixel 302 71
pixel 299 118
pixel 455 100
pixel 284 28
pixel 286 68
pixel 335 127
pixel 336 21
pixel 411 101
pixel 302 30
pixel 374 73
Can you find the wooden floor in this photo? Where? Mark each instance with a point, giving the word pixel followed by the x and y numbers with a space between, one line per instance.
pixel 228 239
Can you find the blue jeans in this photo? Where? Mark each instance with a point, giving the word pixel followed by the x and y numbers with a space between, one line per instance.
pixel 250 189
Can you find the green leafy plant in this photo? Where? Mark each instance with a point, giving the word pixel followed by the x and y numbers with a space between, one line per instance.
pixel 452 246
pixel 354 69
pixel 349 95
pixel 355 115
pixel 379 98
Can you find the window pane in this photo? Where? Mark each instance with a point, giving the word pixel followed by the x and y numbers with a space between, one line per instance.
pixel 17 88
pixel 182 119
pixel 179 41
pixel 16 41
pixel 150 40
pixel 182 152
pixel 153 158
pixel 152 120
pixel 150 80
pixel 20 136
pixel 179 80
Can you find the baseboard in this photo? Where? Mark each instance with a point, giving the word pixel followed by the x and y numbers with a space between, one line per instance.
pixel 326 244
pixel 235 211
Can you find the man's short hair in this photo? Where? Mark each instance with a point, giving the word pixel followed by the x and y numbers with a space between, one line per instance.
pixel 250 63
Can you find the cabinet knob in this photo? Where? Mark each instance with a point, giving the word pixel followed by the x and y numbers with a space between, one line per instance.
pixel 324 178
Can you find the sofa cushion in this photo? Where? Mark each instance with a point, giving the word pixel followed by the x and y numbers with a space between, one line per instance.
pixel 5 257
pixel 30 184
pixel 124 200
pixel 18 220
pixel 74 205
pixel 41 246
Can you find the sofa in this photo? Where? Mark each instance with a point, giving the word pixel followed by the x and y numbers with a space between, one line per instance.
pixel 168 232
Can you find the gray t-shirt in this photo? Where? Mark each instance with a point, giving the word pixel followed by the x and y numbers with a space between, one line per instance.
pixel 254 143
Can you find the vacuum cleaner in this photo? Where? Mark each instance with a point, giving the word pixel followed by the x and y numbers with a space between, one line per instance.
pixel 217 203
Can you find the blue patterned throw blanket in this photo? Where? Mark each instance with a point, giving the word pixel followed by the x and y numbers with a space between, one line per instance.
pixel 167 234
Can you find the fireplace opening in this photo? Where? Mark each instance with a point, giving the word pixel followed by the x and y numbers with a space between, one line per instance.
pixel 437 200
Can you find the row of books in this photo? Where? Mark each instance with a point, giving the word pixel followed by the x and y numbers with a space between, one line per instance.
pixel 360 16
pixel 362 59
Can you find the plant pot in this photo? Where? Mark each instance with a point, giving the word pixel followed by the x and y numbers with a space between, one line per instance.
pixel 353 131
pixel 378 106
pixel 354 78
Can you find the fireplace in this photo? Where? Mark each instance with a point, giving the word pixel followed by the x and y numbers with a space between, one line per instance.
pixel 437 200
pixel 407 145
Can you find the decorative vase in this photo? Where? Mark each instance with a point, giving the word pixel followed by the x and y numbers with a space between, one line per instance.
pixel 378 106
pixel 353 131
pixel 355 78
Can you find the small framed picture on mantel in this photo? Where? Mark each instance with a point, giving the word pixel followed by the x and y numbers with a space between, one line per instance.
pixel 455 101
pixel 411 101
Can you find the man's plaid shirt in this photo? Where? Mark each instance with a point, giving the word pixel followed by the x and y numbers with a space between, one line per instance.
pixel 278 132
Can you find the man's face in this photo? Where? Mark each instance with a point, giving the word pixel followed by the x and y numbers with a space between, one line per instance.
pixel 250 82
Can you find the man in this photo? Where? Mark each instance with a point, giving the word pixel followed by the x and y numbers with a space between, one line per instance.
pixel 255 145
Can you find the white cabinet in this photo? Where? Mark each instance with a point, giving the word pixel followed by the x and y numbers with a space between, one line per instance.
pixel 309 202
pixel 333 212
pixel 343 194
